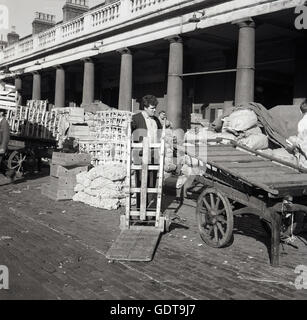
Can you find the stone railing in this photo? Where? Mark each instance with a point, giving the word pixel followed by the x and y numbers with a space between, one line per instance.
pixel 99 19
pixel 72 28
pixel 25 45
pixel 137 5
pixel 46 38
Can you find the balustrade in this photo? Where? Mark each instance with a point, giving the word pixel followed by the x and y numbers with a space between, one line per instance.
pixel 92 21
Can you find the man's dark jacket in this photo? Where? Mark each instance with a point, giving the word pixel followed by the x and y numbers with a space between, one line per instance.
pixel 4 134
pixel 138 122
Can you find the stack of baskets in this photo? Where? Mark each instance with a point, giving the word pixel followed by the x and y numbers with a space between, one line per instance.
pixel 109 136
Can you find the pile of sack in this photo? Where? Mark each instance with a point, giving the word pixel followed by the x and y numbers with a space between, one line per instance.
pixel 243 125
pixel 103 186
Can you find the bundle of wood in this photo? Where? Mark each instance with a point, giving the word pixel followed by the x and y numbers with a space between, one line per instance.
pixel 103 186
pixel 9 97
pixel 34 120
pixel 108 137
pixel 63 171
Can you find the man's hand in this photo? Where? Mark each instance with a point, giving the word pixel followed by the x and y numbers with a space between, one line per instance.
pixel 291 148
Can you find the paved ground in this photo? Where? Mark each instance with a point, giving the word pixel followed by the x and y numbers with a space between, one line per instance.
pixel 56 250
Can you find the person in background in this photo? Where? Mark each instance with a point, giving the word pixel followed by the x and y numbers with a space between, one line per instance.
pixel 298 144
pixel 162 118
pixel 4 134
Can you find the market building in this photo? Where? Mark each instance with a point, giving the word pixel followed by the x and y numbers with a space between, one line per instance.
pixel 196 56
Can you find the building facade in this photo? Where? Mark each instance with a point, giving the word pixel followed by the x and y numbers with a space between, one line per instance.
pixel 192 54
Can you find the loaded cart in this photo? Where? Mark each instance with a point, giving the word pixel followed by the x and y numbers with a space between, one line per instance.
pixel 240 181
pixel 26 152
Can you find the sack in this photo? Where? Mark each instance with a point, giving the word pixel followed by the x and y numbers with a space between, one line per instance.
pixel 255 141
pixel 100 183
pixel 112 171
pixel 83 179
pixel 241 120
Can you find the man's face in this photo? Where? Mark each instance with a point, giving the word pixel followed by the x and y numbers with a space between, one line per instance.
pixel 150 110
pixel 1 114
pixel 162 116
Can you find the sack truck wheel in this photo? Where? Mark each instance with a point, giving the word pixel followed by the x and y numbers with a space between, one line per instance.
pixel 214 217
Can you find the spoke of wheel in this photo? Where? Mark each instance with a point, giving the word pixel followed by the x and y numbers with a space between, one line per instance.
pixel 221 211
pixel 217 203
pixel 212 200
pixel 222 219
pixel 206 204
pixel 215 234
pixel 210 229
pixel 220 228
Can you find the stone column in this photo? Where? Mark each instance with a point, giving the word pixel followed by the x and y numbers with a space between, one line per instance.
pixel 18 83
pixel 174 84
pixel 59 100
pixel 125 84
pixel 18 86
pixel 300 81
pixel 230 80
pixel 245 80
pixel 88 82
pixel 36 89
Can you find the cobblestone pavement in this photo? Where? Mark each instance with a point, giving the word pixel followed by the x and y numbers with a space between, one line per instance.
pixel 57 250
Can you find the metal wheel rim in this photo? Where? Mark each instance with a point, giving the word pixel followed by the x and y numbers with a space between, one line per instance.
pixel 16 160
pixel 215 218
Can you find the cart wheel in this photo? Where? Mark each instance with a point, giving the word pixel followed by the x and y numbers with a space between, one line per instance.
pixel 214 217
pixel 15 162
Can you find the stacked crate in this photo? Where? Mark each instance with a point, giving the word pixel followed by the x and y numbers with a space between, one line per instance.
pixel 63 171
pixel 108 136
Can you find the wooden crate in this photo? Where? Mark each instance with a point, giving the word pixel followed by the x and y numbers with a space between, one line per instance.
pixel 60 171
pixel 63 183
pixel 71 159
pixel 78 131
pixel 56 195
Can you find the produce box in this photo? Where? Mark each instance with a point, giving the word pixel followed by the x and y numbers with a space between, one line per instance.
pixel 71 159
pixel 63 183
pixel 56 195
pixel 60 171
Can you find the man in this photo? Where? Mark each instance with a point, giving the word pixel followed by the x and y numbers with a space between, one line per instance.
pixel 299 143
pixel 145 124
pixel 4 133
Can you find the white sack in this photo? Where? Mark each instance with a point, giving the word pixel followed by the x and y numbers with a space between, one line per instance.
pixel 240 120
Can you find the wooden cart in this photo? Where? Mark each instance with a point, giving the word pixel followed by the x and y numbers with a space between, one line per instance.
pixel 240 181
pixel 25 152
